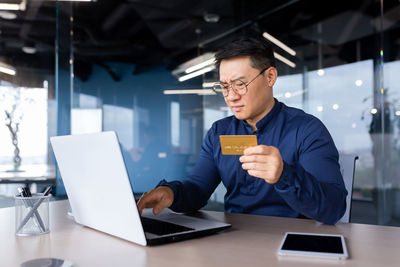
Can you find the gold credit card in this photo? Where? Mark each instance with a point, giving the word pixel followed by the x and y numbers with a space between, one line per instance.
pixel 236 144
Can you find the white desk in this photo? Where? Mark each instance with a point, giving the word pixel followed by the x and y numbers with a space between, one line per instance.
pixel 252 241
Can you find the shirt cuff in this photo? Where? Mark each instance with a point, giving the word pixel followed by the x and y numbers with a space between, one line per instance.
pixel 287 178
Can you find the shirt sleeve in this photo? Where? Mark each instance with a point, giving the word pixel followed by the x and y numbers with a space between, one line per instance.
pixel 313 185
pixel 194 192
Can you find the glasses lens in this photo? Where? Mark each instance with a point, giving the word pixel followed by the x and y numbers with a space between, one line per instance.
pixel 239 87
pixel 219 89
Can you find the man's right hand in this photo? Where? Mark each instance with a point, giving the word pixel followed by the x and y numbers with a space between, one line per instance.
pixel 159 198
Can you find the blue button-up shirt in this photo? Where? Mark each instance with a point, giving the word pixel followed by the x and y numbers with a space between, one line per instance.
pixel 311 183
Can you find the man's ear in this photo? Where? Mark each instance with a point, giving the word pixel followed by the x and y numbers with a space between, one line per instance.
pixel 272 75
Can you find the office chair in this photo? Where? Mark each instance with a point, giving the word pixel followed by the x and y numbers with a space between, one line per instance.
pixel 347 168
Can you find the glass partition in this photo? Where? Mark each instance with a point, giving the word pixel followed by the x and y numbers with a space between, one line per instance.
pixel 27 92
pixel 338 77
pixel 351 86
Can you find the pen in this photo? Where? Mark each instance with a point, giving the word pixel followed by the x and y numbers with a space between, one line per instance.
pixel 27 191
pixel 47 191
pixel 34 209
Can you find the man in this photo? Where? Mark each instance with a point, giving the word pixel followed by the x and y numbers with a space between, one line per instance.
pixel 293 172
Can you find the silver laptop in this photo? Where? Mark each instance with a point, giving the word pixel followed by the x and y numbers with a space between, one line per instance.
pixel 101 197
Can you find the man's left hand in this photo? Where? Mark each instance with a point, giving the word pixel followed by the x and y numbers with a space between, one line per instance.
pixel 263 162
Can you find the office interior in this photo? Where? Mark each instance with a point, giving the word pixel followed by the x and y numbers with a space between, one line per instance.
pixel 72 67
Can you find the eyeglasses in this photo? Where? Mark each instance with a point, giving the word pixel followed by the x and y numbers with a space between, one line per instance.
pixel 238 86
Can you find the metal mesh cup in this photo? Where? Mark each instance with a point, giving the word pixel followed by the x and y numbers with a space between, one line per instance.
pixel 32 215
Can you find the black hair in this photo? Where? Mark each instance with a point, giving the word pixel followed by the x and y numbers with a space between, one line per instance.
pixel 260 52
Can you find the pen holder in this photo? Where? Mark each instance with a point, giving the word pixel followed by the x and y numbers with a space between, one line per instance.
pixel 32 215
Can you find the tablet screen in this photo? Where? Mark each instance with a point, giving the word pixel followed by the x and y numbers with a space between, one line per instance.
pixel 313 243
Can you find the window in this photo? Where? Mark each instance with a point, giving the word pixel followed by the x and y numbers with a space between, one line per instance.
pixel 31 112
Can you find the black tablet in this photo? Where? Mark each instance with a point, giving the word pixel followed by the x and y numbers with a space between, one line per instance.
pixel 314 245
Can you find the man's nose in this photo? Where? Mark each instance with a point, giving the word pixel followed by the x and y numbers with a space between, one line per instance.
pixel 232 95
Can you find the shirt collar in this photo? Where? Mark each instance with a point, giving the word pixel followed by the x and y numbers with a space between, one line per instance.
pixel 264 121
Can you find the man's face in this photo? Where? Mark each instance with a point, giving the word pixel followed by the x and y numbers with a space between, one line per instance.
pixel 254 105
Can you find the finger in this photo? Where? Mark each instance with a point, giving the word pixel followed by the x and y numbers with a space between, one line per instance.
pixel 148 200
pixel 255 166
pixel 253 158
pixel 158 208
pixel 146 205
pixel 141 205
pixel 254 150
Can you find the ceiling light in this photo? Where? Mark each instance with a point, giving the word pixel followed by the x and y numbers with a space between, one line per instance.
pixel 335 106
pixel 298 92
pixel 211 18
pixel 29 48
pixel 8 69
pixel 4 6
pixel 288 94
pixel 359 82
pixel 13 5
pixel 285 60
pixel 208 84
pixel 7 15
pixel 320 108
pixel 320 72
pixel 397 113
pixel 374 110
pixel 189 91
pixel 194 64
pixel 279 43
pixel 196 73
pixel 200 65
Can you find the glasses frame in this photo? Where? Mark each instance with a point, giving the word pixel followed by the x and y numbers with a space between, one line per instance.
pixel 230 87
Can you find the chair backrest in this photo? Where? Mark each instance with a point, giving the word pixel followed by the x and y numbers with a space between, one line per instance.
pixel 347 168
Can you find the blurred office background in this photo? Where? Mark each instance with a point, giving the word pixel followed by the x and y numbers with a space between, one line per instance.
pixel 69 67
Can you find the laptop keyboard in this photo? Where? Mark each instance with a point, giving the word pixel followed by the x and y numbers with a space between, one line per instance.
pixel 162 228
